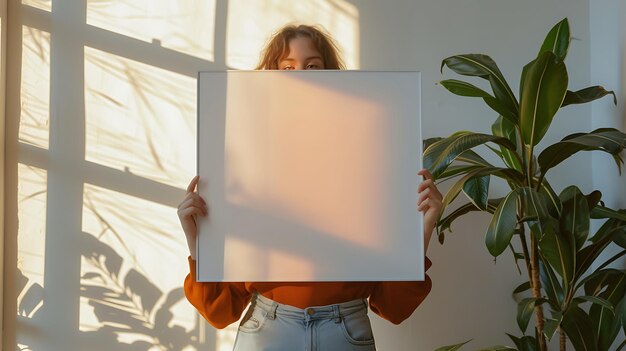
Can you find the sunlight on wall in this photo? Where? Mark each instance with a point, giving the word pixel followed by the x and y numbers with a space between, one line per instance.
pixel 185 26
pixel 31 194
pixel 45 5
pixel 139 118
pixel 226 337
pixel 132 271
pixel 35 94
pixel 251 23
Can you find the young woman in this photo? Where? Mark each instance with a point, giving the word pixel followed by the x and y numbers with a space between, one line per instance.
pixel 304 315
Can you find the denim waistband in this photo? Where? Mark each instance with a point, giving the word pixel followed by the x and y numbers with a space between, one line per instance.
pixel 336 311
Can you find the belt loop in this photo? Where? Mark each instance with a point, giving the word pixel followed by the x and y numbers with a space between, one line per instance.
pixel 336 314
pixel 272 313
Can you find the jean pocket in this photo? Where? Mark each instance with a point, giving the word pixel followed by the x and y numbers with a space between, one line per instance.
pixel 357 328
pixel 253 321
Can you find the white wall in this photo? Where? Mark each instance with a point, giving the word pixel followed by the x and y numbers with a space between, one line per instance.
pixel 608 68
pixel 471 294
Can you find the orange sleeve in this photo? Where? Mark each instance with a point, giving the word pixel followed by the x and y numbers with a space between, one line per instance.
pixel 219 303
pixel 396 301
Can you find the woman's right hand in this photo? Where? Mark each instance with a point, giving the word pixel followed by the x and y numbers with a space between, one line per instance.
pixel 192 205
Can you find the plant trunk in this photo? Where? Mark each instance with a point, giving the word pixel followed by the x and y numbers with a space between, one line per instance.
pixel 562 339
pixel 536 285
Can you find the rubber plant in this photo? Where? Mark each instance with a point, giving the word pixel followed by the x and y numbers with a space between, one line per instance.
pixel 548 232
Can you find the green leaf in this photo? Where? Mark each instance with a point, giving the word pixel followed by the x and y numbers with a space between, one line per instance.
pixel 553 203
pixel 557 40
pixel 579 328
pixel 455 189
pixel 593 198
pixel 502 225
pixel 620 239
pixel 604 236
pixel 501 109
pixel 560 252
pixel 438 156
pixel 525 343
pixel 609 140
pixel 594 300
pixel 605 212
pixel 544 89
pixel 525 309
pixel 551 326
pixel 606 323
pixel 477 190
pixel 521 288
pixel 536 205
pixel 455 171
pixel 446 222
pixel 574 219
pixel 452 347
pixel 505 128
pixel 478 65
pixel 523 78
pixel 550 284
pixel 429 141
pixel 587 95
pixel 606 229
pixel 471 157
pixel 610 285
pixel 461 88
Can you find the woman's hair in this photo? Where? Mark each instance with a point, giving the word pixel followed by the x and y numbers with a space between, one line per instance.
pixel 278 46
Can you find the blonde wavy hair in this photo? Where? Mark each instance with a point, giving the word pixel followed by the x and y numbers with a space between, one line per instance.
pixel 278 46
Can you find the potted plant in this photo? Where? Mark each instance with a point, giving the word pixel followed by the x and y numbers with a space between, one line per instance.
pixel 548 232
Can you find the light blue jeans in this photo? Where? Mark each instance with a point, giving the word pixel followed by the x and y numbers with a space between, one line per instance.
pixel 269 325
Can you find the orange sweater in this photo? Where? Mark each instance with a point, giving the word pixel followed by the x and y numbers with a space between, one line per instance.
pixel 222 303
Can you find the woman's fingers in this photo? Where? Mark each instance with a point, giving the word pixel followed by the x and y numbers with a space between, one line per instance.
pixel 192 202
pixel 192 185
pixel 424 205
pixel 192 198
pixel 423 195
pixel 192 210
pixel 425 173
pixel 428 184
pixel 430 199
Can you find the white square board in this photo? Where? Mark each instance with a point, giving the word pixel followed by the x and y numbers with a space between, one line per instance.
pixel 309 176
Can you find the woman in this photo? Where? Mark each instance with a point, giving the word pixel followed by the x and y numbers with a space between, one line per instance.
pixel 304 315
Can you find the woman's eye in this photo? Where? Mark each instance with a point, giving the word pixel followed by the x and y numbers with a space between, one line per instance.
pixel 288 67
pixel 312 66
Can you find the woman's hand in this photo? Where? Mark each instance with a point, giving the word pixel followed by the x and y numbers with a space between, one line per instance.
pixel 192 205
pixel 429 203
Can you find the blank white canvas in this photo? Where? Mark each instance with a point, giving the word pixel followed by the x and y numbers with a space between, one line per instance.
pixel 309 176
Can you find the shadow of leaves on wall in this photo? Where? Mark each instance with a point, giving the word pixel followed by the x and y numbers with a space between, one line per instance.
pixel 130 304
pixel 32 299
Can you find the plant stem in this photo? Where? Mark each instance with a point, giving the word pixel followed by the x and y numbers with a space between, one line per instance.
pixel 529 166
pixel 522 238
pixel 539 181
pixel 536 288
pixel 562 339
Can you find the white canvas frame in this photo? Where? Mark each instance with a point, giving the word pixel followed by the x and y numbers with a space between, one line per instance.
pixel 309 176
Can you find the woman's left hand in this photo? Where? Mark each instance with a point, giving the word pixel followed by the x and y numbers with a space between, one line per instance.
pixel 429 203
